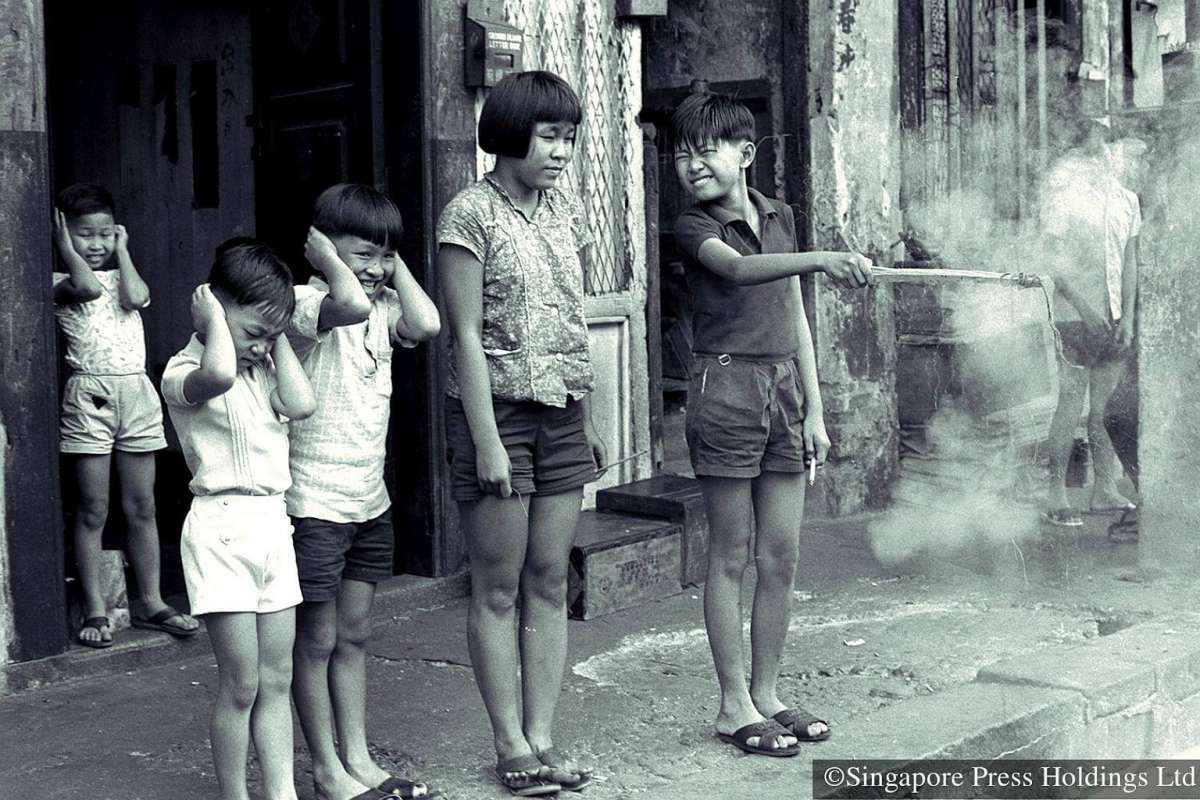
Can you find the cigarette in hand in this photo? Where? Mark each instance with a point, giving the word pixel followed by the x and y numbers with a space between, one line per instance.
pixel 812 471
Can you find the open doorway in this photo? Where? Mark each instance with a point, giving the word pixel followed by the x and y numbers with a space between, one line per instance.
pixel 211 120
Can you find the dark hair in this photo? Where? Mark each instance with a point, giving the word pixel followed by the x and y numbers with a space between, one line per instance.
pixel 517 103
pixel 250 274
pixel 79 199
pixel 353 209
pixel 709 117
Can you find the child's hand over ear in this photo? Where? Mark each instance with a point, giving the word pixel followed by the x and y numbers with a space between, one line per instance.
pixel 62 235
pixel 122 238
pixel 320 250
pixel 205 308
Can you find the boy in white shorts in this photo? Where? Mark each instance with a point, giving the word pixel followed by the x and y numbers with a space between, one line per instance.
pixel 109 405
pixel 230 394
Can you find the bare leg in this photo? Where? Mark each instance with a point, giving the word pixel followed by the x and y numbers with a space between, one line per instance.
pixel 271 716
pixel 92 478
pixel 497 533
pixel 728 504
pixel 234 639
pixel 348 680
pixel 1103 381
pixel 1072 382
pixel 316 638
pixel 543 632
pixel 778 510
pixel 136 471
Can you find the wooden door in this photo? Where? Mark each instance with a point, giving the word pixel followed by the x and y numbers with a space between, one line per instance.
pixel 326 113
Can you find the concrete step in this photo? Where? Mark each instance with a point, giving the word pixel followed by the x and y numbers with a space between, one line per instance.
pixel 620 561
pixel 673 498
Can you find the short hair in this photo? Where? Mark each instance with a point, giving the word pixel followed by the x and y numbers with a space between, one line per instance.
pixel 80 199
pixel 354 209
pixel 249 273
pixel 517 103
pixel 710 117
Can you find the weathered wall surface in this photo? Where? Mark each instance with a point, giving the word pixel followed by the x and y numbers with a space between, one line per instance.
pixel 30 521
pixel 855 190
pixel 1169 374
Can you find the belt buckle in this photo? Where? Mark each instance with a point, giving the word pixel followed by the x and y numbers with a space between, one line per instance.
pixel 724 359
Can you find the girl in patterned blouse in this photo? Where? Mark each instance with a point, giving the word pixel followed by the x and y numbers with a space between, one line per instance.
pixel 518 427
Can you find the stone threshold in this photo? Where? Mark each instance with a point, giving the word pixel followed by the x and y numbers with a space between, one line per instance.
pixel 138 649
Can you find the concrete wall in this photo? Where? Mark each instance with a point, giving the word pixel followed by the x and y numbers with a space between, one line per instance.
pixel 1168 348
pixel 854 124
pixel 30 513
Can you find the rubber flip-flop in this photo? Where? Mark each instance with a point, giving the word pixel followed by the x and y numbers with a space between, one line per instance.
pixel 96 623
pixel 1104 511
pixel 1063 518
pixel 765 730
pixel 399 787
pixel 554 760
pixel 158 622
pixel 520 775
pixel 798 721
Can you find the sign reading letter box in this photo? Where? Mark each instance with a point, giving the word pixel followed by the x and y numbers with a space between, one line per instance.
pixel 493 49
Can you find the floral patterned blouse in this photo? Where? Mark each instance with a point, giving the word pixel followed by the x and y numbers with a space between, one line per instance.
pixel 534 332
pixel 102 337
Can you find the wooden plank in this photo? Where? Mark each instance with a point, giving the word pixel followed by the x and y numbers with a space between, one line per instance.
pixel 653 298
pixel 915 275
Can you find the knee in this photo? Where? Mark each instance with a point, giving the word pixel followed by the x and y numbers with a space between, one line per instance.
pixel 275 678
pixel 545 582
pixel 729 555
pixel 241 690
pixel 92 512
pixel 776 562
pixel 498 598
pixel 139 509
pixel 354 632
pixel 316 643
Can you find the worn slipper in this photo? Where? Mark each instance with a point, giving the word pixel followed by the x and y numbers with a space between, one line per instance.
pixel 369 794
pixel 158 622
pixel 798 720
pixel 522 776
pixel 1063 517
pixel 1126 528
pixel 398 787
pixel 766 730
pixel 575 779
pixel 1106 510
pixel 95 623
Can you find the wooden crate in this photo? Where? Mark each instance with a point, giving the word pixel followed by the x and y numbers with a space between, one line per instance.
pixel 621 561
pixel 673 498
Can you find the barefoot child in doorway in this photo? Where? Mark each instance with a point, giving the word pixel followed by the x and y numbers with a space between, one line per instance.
pixel 347 320
pixel 231 393
pixel 109 404
pixel 517 419
pixel 754 411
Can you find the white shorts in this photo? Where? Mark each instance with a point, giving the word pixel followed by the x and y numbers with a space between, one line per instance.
pixel 237 555
pixel 102 413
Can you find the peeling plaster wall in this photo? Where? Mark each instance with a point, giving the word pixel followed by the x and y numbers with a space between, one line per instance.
pixel 720 41
pixel 855 191
pixel 1169 374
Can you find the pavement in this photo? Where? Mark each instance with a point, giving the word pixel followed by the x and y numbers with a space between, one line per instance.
pixel 890 655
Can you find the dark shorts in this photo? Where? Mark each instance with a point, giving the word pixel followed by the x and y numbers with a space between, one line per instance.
pixel 745 417
pixel 1082 350
pixel 329 552
pixel 546 446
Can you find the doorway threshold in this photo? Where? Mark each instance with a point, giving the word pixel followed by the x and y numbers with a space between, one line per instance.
pixel 137 649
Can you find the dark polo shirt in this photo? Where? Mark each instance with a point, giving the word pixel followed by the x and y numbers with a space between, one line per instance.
pixel 757 322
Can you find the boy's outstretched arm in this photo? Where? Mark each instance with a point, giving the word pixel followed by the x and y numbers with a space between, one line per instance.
pixel 132 291
pixel 81 286
pixel 218 365
pixel 346 303
pixel 293 396
pixel 1129 291
pixel 419 320
pixel 849 269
